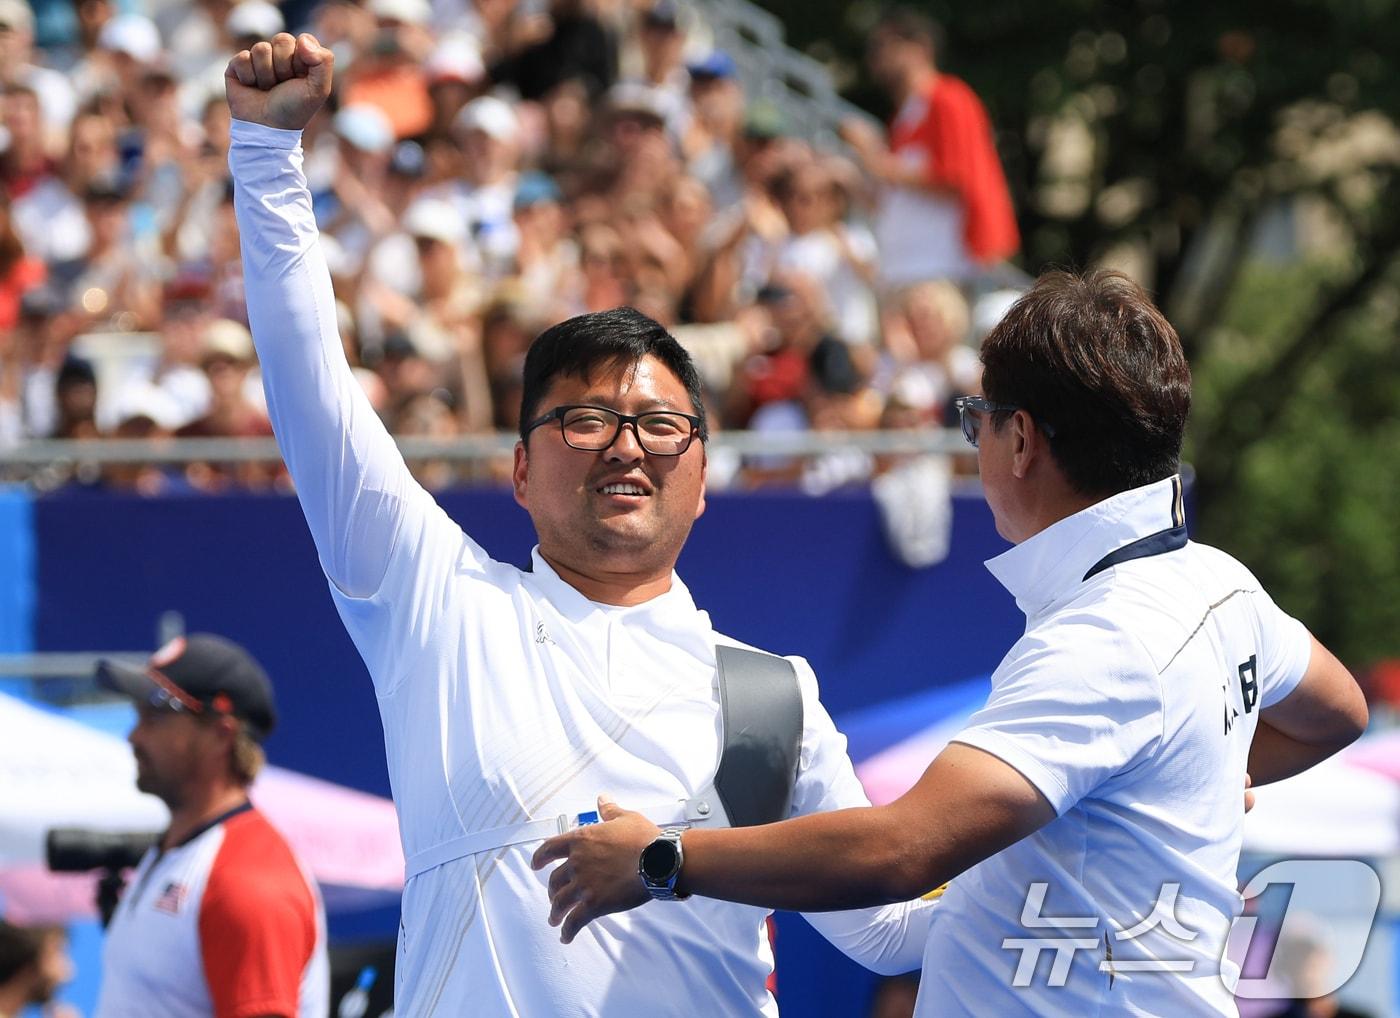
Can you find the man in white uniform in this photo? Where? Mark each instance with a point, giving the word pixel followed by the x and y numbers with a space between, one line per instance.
pixel 511 698
pixel 1091 811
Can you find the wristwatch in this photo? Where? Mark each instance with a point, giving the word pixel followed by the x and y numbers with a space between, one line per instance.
pixel 660 865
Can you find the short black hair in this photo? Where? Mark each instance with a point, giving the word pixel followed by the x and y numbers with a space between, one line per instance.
pixel 621 337
pixel 1092 357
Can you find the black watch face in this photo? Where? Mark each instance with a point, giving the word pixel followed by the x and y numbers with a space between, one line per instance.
pixel 659 860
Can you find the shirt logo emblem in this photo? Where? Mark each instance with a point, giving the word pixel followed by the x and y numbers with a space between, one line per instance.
pixel 172 898
pixel 542 634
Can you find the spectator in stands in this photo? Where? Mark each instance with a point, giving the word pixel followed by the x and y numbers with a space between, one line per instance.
pixel 772 385
pixel 227 359
pixel 25 160
pixel 571 43
pixel 604 264
pixel 568 119
pixel 49 214
pixel 163 140
pixel 686 210
pixel 84 64
pixel 404 372
pixel 444 303
pixel 19 273
pixel 132 43
pixel 661 40
pixel 638 156
pixel 18 69
pixel 224 266
pixel 507 327
pixel 489 132
pixel 29 366
pixel 945 212
pixel 547 260
pixel 428 415
pixel 113 286
pixel 193 34
pixel 34 964
pixel 390 76
pixel 455 75
pixel 176 373
pixel 75 396
pixel 839 260
pixel 189 226
pixel 744 239
pixel 352 209
pixel 391 263
pixel 935 362
pixel 149 479
pixel 715 132
pixel 657 262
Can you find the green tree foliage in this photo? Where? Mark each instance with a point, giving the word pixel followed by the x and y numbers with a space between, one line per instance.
pixel 1242 157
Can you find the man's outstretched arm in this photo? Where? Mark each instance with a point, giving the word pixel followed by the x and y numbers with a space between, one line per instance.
pixel 350 478
pixel 967 806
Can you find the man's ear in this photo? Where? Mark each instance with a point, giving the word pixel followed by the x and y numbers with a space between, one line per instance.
pixel 1027 443
pixel 519 474
pixel 704 480
pixel 226 726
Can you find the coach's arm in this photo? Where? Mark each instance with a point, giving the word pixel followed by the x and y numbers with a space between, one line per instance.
pixel 1325 712
pixel 968 806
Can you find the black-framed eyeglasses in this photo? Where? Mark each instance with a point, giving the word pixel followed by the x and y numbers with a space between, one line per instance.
pixel 971 409
pixel 595 428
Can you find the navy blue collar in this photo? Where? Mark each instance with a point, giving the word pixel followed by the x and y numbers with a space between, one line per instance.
pixel 1171 539
pixel 1048 566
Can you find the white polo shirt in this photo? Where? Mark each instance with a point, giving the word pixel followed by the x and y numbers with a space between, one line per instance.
pixel 507 696
pixel 1130 703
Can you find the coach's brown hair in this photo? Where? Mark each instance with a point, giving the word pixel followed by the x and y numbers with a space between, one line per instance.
pixel 1092 357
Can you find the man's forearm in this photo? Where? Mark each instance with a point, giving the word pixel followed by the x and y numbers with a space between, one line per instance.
pixel 1274 756
pixel 850 858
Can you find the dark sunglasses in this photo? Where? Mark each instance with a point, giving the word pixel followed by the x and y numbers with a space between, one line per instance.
pixel 972 408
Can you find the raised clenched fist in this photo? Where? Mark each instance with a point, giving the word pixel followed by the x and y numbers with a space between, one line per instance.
pixel 281 83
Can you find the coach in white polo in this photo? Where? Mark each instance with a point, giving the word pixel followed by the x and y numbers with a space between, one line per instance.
pixel 1089 816
pixel 513 697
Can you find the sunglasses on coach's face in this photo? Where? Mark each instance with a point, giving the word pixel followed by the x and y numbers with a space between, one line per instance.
pixel 971 409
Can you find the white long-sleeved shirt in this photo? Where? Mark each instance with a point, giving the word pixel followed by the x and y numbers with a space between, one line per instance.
pixel 507 696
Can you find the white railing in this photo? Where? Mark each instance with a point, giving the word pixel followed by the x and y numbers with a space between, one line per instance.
pixel 40 453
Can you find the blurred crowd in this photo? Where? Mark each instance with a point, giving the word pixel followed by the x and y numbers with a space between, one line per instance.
pixel 487 168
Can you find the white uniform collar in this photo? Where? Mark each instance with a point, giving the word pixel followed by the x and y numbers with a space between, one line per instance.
pixel 671 615
pixel 1044 567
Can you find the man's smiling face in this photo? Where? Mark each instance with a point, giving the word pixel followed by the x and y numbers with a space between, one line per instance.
pixel 618 512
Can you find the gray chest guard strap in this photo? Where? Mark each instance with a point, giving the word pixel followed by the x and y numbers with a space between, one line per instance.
pixel 761 708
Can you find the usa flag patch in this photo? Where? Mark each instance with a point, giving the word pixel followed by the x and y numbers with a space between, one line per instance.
pixel 172 898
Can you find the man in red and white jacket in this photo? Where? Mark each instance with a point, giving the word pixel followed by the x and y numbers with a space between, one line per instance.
pixel 945 210
pixel 220 918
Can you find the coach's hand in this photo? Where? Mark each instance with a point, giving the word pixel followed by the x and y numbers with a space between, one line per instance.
pixel 598 874
pixel 281 83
